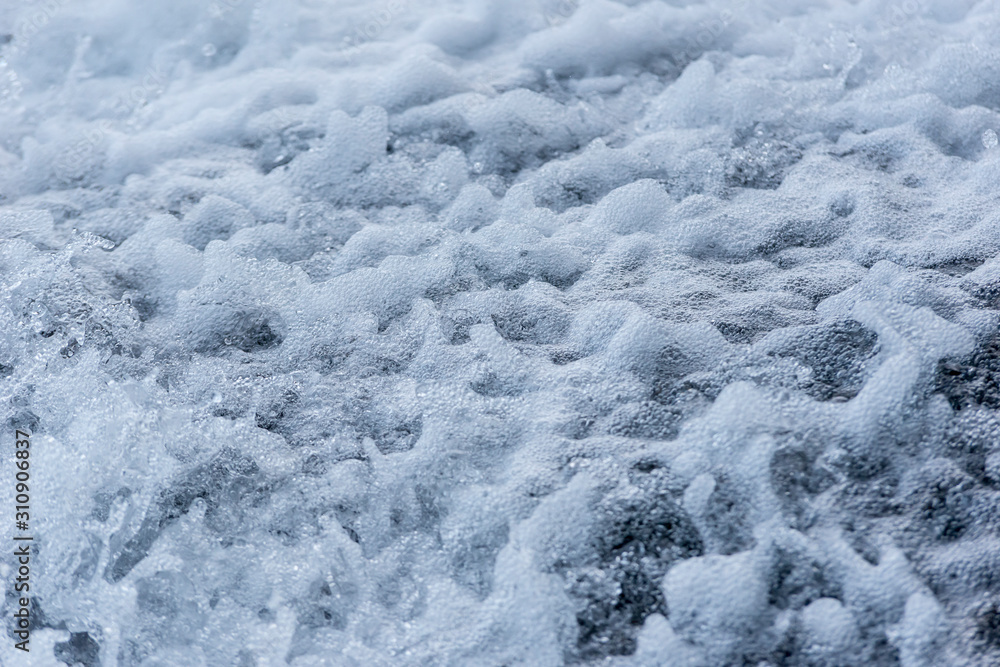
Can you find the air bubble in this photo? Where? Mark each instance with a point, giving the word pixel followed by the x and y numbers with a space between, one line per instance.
pixel 990 139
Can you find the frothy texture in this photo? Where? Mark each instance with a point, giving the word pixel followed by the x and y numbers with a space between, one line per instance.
pixel 505 333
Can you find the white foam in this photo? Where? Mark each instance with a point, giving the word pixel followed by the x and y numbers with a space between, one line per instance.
pixel 535 332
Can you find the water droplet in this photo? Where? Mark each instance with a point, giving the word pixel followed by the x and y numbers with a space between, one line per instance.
pixel 990 139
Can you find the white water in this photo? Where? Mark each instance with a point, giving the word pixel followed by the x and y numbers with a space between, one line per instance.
pixel 504 333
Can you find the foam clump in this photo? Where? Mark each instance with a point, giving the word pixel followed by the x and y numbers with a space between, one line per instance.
pixel 537 332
